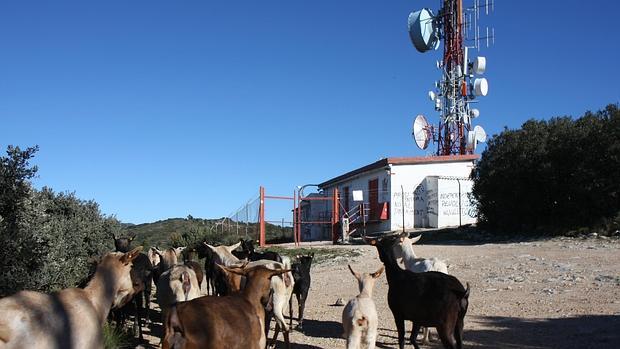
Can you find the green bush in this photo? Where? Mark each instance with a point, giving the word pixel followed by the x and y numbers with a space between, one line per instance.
pixel 554 175
pixel 48 239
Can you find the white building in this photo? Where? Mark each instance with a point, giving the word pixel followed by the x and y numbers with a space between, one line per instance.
pixel 406 192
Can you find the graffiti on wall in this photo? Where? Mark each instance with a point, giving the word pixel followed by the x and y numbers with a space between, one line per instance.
pixel 451 203
pixel 400 198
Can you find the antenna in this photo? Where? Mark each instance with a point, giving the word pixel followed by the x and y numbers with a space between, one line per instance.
pixel 461 80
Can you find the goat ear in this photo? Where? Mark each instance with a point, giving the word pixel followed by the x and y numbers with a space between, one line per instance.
pixel 233 247
pixel 312 255
pixel 416 239
pixel 114 236
pixel 377 273
pixel 131 255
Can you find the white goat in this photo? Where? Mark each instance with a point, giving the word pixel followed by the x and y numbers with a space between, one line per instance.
pixel 282 290
pixel 70 318
pixel 359 317
pixel 177 284
pixel 404 250
pixel 222 255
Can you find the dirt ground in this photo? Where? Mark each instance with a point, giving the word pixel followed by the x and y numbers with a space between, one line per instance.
pixel 557 293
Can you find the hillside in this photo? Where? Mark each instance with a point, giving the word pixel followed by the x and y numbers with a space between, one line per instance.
pixel 159 233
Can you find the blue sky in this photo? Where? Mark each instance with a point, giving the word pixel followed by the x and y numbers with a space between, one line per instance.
pixel 159 109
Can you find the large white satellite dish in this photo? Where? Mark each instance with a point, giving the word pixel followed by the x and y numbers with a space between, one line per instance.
pixel 423 31
pixel 481 135
pixel 421 132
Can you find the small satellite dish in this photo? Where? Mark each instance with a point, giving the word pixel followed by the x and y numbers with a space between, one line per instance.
pixel 481 87
pixel 432 95
pixel 421 132
pixel 480 65
pixel 474 113
pixel 423 30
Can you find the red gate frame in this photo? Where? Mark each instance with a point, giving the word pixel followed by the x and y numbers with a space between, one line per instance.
pixel 335 217
pixel 297 221
pixel 261 212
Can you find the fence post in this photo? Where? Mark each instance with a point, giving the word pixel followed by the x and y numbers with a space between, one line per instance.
pixel 261 214
pixel 294 218
pixel 335 215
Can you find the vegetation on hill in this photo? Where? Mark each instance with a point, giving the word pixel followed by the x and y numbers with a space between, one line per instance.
pixel 190 230
pixel 555 176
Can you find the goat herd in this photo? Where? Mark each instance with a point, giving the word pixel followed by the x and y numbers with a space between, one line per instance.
pixel 229 303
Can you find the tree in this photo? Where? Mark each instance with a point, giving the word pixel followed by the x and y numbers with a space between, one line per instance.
pixel 554 175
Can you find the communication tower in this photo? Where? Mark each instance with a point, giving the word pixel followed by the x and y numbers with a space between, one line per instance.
pixel 461 77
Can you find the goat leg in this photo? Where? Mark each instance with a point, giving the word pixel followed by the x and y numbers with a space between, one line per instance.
pixel 414 333
pixel 275 336
pixel 302 305
pixel 400 327
pixel 290 311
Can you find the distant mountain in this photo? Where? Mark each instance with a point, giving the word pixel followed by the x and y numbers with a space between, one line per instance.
pixel 159 233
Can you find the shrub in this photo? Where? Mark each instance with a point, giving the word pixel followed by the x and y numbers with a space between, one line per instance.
pixel 48 239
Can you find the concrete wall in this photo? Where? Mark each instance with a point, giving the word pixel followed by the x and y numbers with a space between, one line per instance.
pixel 409 193
pixel 448 202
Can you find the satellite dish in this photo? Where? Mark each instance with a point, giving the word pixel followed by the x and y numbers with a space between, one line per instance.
pixel 423 31
pixel 474 113
pixel 480 65
pixel 481 87
pixel 421 132
pixel 481 135
pixel 475 136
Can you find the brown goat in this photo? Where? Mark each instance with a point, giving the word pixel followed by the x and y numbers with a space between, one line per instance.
pixel 228 322
pixel 70 318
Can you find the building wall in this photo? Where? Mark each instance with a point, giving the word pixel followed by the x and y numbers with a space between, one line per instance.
pixel 448 202
pixel 360 182
pixel 409 196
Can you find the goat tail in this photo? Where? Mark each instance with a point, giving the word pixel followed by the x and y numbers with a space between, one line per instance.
pixel 466 295
pixel 187 284
pixel 362 322
pixel 464 303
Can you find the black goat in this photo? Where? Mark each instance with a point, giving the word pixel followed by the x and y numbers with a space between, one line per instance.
pixel 142 278
pixel 251 255
pixel 301 276
pixel 430 299
pixel 215 279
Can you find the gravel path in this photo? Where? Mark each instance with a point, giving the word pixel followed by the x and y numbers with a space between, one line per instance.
pixel 558 293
